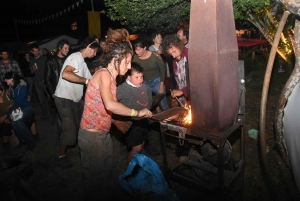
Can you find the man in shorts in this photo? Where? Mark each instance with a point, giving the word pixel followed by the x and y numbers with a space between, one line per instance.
pixel 68 95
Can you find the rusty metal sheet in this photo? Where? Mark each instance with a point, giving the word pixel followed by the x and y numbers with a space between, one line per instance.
pixel 213 65
pixel 170 114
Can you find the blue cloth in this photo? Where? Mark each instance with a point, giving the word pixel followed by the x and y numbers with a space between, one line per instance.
pixel 143 177
pixel 20 96
pixel 154 85
pixel 20 127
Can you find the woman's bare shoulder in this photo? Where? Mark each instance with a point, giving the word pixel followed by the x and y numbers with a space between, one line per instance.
pixel 100 72
pixel 100 76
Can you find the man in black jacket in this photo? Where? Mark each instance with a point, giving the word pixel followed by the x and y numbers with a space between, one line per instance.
pixel 54 65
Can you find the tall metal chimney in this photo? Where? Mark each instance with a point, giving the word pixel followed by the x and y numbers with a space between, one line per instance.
pixel 213 65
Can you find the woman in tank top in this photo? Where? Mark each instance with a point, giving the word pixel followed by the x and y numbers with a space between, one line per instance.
pixel 100 102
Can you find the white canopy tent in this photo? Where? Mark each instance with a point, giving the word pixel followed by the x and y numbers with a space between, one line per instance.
pixel 49 43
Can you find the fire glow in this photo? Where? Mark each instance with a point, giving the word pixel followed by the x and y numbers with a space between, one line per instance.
pixel 188 118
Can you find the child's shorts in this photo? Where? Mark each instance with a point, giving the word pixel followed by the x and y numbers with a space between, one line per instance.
pixel 136 136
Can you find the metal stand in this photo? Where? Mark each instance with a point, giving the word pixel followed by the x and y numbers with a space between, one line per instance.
pixel 218 176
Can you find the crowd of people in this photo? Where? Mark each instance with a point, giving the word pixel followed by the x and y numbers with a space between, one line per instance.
pixel 86 101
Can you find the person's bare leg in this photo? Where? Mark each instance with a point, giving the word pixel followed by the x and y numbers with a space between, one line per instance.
pixel 5 143
pixel 181 158
pixel 33 129
pixel 135 149
pixel 35 135
pixel 143 148
pixel 63 160
pixel 62 150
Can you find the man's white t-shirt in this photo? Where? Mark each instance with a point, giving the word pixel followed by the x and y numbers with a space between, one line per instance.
pixel 70 90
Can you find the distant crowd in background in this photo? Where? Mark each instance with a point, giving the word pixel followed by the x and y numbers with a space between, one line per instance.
pixel 108 80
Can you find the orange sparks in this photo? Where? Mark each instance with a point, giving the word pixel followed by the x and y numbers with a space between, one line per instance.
pixel 188 118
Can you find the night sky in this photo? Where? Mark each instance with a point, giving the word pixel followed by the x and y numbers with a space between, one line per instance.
pixel 31 10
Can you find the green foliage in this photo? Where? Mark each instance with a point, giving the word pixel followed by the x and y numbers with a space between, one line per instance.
pixel 243 7
pixel 167 15
pixel 163 15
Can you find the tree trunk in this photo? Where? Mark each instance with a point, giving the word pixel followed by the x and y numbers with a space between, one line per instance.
pixel 286 92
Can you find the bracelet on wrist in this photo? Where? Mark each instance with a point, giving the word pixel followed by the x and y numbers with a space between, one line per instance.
pixel 87 81
pixel 132 112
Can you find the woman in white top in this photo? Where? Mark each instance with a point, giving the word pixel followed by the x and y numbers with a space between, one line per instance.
pixel 157 40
